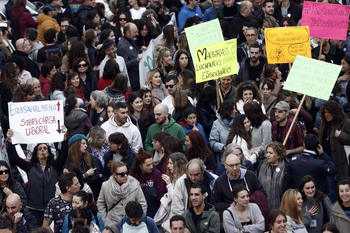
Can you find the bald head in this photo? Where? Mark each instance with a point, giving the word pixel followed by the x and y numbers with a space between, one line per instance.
pixel 162 108
pixel 195 170
pixel 19 44
pixel 23 45
pixel 246 8
pixel 130 31
pixel 161 114
pixel 13 204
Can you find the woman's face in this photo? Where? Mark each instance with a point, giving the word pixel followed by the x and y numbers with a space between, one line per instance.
pixel 144 31
pixel 30 97
pixel 183 61
pixel 280 224
pixel 37 89
pixel 52 72
pixel 246 124
pixel 78 202
pixel 111 36
pixel 238 152
pixel 109 111
pixel 309 189
pixel 101 141
pixel 175 32
pixel 233 114
pixel 147 166
pixel 82 67
pixel 83 146
pixel 267 93
pixel 344 193
pixel 96 40
pixel 188 142
pixel 147 98
pixel 344 66
pixel 247 96
pixel 122 20
pixel 43 152
pixel 288 99
pixel 137 104
pixel 114 147
pixel 96 19
pixel 328 116
pixel 167 60
pixel 75 81
pixel 299 201
pixel 4 174
pixel 181 81
pixel 170 165
pixel 156 80
pixel 93 103
pixel 242 198
pixel 191 119
pixel 119 177
pixel 271 156
pixel 285 24
pixel 156 145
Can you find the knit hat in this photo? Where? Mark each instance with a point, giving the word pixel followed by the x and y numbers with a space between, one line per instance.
pixel 75 138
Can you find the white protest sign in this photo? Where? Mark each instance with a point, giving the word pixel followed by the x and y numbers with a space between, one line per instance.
pixel 38 121
pixel 146 63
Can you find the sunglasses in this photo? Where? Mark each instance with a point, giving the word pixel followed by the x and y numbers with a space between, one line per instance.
pixel 171 86
pixel 4 171
pixel 145 88
pixel 82 65
pixel 122 174
pixel 122 19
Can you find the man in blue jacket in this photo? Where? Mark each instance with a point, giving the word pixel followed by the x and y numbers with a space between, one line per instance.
pixel 135 220
pixel 190 9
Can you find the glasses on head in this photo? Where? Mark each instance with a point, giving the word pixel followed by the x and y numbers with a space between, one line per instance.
pixel 122 174
pixel 171 86
pixel 24 41
pixel 122 19
pixel 4 171
pixel 145 88
pixel 247 85
pixel 234 165
pixel 82 65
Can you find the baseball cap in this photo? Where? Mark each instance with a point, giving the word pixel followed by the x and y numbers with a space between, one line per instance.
pixel 48 8
pixel 282 105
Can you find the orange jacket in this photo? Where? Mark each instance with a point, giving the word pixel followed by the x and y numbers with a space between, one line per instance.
pixel 46 22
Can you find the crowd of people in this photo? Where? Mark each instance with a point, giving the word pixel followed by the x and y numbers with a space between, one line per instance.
pixel 169 155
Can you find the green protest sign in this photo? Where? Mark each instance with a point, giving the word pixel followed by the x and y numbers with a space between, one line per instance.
pixel 203 34
pixel 312 77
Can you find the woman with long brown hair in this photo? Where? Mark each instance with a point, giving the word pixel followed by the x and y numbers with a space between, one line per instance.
pixel 90 39
pixel 181 103
pixel 273 74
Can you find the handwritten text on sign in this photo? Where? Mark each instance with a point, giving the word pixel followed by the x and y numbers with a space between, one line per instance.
pixel 216 60
pixel 38 121
pixel 283 44
pixel 326 20
pixel 312 77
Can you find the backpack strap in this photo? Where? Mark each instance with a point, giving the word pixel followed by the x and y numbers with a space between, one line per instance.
pixel 114 205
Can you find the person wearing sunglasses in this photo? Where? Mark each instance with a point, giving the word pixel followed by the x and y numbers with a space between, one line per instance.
pixel 118 191
pixel 120 21
pixel 8 185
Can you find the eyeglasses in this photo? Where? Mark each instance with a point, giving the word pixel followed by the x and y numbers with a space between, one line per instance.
pixel 234 165
pixel 122 174
pixel 4 171
pixel 145 88
pixel 122 19
pixel 171 86
pixel 24 41
pixel 82 65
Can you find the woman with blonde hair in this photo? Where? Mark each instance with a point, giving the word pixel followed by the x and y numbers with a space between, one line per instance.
pixel 118 191
pixel 292 206
pixel 158 90
pixel 164 63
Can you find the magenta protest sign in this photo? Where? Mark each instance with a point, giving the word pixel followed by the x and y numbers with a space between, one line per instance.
pixel 326 20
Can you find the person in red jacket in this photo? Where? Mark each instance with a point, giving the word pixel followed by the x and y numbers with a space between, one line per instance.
pixel 25 20
pixel 47 71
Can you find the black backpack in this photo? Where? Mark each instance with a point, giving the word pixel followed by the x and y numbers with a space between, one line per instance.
pixel 15 28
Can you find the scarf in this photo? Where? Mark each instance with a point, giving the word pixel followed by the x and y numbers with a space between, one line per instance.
pixel 227 122
pixel 117 190
pixel 272 183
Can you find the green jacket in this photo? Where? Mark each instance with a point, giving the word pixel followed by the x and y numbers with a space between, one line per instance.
pixel 172 127
pixel 210 220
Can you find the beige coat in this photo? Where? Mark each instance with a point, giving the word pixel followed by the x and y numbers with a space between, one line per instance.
pixel 107 199
pixel 339 218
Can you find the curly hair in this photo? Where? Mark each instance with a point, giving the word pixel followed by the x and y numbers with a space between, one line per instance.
pixel 88 37
pixel 9 76
pixel 226 109
pixel 247 85
pixel 278 148
pixel 77 52
pixel 237 129
pixel 254 113
pixel 35 159
pixel 179 161
pixel 21 92
pixel 125 12
pixel 140 158
pixel 335 110
pixel 151 34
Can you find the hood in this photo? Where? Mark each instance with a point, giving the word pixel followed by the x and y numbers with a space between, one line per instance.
pixel 126 125
pixel 75 118
pixel 170 124
pixel 143 218
pixel 243 172
pixel 42 17
pixel 222 123
pixel 184 124
pixel 207 210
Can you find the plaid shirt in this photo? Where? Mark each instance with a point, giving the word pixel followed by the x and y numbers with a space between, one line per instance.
pixel 296 136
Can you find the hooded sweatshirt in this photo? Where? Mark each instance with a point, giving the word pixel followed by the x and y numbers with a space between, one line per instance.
pixel 46 22
pixel 130 131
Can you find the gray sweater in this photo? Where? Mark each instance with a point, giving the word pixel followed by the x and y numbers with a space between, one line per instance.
pixel 262 136
pixel 314 223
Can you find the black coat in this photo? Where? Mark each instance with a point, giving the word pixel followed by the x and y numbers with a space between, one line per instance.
pixel 144 128
pixel 128 160
pixel 206 117
pixel 89 85
pixel 295 11
pixel 27 223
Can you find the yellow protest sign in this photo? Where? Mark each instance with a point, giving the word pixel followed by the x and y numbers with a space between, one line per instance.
pixel 216 60
pixel 284 44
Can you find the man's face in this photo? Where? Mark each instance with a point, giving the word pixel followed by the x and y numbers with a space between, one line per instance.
pixel 195 173
pixel 254 54
pixel 57 3
pixel 256 4
pixel 91 3
pixel 134 221
pixel 177 227
pixel 26 47
pixel 233 166
pixel 13 207
pixel 197 198
pixel 133 33
pixel 217 4
pixel 171 87
pixel 229 3
pixel 319 40
pixel 75 187
pixel 269 8
pixel 251 36
pixel 249 9
pixel 64 24
pixel 160 116
pixel 225 82
pixel 194 3
pixel 111 52
pixel 53 13
pixel 121 115
pixel 280 115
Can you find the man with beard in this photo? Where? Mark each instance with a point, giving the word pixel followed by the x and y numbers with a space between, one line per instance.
pixel 251 35
pixel 268 8
pixel 121 122
pixel 252 68
pixel 201 215
pixel 164 123
pixel 228 91
pixel 6 46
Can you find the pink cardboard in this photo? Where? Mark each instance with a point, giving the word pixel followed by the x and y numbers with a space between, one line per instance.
pixel 328 21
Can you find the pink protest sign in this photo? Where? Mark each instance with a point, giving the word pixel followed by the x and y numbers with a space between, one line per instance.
pixel 326 20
